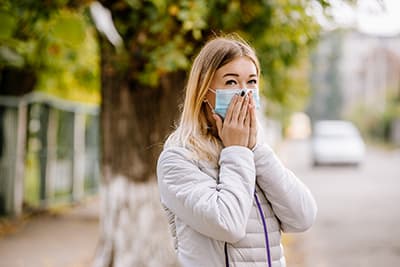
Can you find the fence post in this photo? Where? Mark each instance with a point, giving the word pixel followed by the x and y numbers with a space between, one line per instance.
pixel 44 125
pixel 20 158
pixel 78 156
pixel 51 153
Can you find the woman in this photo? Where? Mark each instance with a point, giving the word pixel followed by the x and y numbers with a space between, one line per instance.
pixel 227 196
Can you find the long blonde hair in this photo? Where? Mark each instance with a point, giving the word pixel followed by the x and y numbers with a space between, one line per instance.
pixel 192 131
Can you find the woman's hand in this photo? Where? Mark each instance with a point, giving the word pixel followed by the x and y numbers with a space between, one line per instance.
pixel 253 122
pixel 235 129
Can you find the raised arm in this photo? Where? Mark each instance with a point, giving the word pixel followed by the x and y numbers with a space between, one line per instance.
pixel 218 210
pixel 291 200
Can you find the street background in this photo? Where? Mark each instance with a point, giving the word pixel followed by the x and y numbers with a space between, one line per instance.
pixel 358 213
pixel 90 89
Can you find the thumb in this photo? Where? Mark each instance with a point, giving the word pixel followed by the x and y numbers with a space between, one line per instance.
pixel 218 121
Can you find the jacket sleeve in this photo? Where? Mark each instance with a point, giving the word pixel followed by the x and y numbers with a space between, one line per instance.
pixel 220 211
pixel 291 201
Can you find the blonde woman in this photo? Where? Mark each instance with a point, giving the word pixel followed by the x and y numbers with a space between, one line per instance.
pixel 227 197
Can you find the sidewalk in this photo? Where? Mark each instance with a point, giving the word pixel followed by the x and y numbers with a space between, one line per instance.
pixel 63 238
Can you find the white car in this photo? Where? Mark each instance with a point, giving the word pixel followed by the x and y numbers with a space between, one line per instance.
pixel 336 142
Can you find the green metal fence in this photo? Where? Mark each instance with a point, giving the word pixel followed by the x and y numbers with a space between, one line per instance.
pixel 49 152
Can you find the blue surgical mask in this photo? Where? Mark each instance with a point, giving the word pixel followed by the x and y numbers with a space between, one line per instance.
pixel 223 98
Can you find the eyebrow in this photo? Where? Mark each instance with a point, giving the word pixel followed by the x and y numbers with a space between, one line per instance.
pixel 237 75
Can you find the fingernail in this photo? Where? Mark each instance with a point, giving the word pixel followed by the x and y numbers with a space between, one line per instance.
pixel 242 93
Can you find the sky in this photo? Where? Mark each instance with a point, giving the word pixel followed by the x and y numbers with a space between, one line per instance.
pixel 376 17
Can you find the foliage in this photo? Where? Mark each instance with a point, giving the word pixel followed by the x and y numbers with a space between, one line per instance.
pixel 71 64
pixel 280 30
pixel 376 123
pixel 57 43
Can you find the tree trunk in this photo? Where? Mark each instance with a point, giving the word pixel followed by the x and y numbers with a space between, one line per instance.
pixel 134 123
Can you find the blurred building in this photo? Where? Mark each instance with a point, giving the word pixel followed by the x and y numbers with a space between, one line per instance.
pixel 352 70
pixel 369 70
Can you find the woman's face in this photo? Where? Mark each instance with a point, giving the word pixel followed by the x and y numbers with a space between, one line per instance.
pixel 240 73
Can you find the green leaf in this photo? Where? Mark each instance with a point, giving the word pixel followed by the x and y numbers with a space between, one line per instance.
pixel 8 24
pixel 69 30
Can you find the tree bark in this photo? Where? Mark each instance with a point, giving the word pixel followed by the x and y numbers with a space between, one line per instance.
pixel 134 119
pixel 134 123
pixel 133 228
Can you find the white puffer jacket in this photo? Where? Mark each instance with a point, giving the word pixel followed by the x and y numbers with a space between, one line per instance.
pixel 213 213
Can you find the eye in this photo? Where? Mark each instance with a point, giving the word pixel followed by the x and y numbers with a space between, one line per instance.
pixel 254 81
pixel 230 82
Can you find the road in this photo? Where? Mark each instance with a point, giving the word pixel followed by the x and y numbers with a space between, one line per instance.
pixel 358 221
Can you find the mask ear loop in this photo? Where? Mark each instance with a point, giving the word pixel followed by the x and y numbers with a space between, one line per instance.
pixel 212 110
pixel 208 103
pixel 205 100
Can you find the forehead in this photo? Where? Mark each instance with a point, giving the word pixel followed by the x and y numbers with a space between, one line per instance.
pixel 242 66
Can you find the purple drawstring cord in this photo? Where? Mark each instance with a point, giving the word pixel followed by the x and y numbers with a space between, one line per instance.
pixel 265 229
pixel 226 255
pixel 265 233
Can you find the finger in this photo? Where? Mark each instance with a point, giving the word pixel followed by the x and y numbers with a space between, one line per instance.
pixel 251 101
pixel 252 105
pixel 253 121
pixel 237 108
pixel 247 119
pixel 244 110
pixel 218 122
pixel 252 128
pixel 228 115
